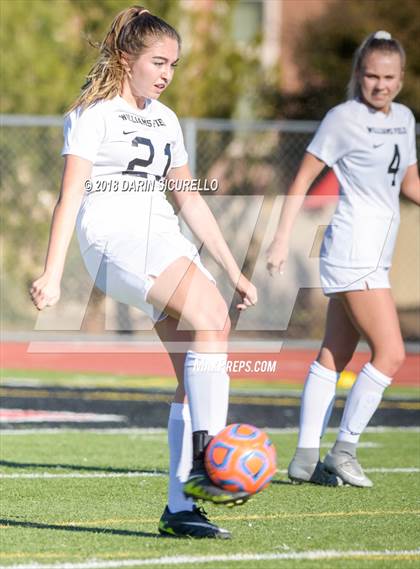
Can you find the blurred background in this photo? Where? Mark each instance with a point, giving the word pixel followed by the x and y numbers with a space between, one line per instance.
pixel 254 79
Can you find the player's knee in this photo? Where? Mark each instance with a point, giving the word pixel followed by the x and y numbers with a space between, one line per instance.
pixel 396 360
pixel 390 361
pixel 214 319
pixel 221 322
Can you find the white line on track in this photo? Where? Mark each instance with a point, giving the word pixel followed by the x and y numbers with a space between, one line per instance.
pixel 19 416
pixel 49 475
pixel 159 431
pixel 65 430
pixel 195 559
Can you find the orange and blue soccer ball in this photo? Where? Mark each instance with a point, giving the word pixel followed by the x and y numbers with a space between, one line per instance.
pixel 241 458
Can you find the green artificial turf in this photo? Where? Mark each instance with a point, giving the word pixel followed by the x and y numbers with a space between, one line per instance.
pixel 59 520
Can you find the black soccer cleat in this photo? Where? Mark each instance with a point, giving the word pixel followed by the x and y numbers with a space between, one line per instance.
pixel 199 485
pixel 190 524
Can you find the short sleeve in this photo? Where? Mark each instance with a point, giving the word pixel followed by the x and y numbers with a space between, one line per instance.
pixel 331 141
pixel 412 148
pixel 179 154
pixel 84 131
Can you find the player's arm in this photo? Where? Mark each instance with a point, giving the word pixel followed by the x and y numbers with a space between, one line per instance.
pixel 277 253
pixel 410 186
pixel 202 223
pixel 45 291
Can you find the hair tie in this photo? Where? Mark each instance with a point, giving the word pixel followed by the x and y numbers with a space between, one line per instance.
pixel 382 35
pixel 142 12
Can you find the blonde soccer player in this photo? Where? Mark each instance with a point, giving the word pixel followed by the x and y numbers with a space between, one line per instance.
pixel 120 147
pixel 369 141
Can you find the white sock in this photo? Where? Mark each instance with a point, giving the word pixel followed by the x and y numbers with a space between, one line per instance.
pixel 180 456
pixel 317 402
pixel 362 402
pixel 207 387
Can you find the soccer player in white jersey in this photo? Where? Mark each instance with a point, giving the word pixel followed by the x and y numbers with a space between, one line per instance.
pixel 369 141
pixel 120 144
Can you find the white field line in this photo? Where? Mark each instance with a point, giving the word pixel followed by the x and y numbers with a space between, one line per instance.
pixel 365 444
pixel 49 475
pixel 161 431
pixel 240 557
pixel 295 430
pixel 407 470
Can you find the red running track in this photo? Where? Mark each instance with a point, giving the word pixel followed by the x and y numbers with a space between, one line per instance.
pixel 122 359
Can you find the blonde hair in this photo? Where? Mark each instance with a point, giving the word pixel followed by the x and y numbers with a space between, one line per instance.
pixel 131 32
pixel 378 41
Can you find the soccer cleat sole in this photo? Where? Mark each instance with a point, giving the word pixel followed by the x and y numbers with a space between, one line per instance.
pixel 299 481
pixel 191 532
pixel 348 480
pixel 307 474
pixel 197 493
pixel 167 532
pixel 170 533
pixel 220 500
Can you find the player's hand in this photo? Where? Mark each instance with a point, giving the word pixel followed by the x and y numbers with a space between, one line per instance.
pixel 276 256
pixel 45 291
pixel 248 293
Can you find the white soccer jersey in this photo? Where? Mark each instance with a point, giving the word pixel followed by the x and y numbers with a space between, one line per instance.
pixel 127 147
pixel 369 152
pixel 128 232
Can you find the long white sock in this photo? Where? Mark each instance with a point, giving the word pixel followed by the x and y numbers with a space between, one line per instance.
pixel 207 386
pixel 362 402
pixel 317 401
pixel 180 456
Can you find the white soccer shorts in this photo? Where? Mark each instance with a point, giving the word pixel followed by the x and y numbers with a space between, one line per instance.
pixel 344 279
pixel 124 267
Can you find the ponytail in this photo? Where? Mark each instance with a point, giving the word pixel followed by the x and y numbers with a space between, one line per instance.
pixel 131 32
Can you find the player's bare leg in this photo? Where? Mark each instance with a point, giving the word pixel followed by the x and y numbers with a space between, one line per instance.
pixel 374 315
pixel 340 339
pixel 200 308
pixel 318 397
pixel 181 518
pixel 177 343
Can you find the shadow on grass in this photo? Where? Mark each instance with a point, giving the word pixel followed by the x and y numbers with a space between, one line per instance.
pixel 10 464
pixel 106 531
pixel 286 482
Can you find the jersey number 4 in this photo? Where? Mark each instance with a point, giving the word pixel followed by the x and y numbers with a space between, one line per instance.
pixel 395 163
pixel 144 162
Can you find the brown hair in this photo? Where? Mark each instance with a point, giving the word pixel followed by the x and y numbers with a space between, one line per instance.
pixel 378 41
pixel 131 31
